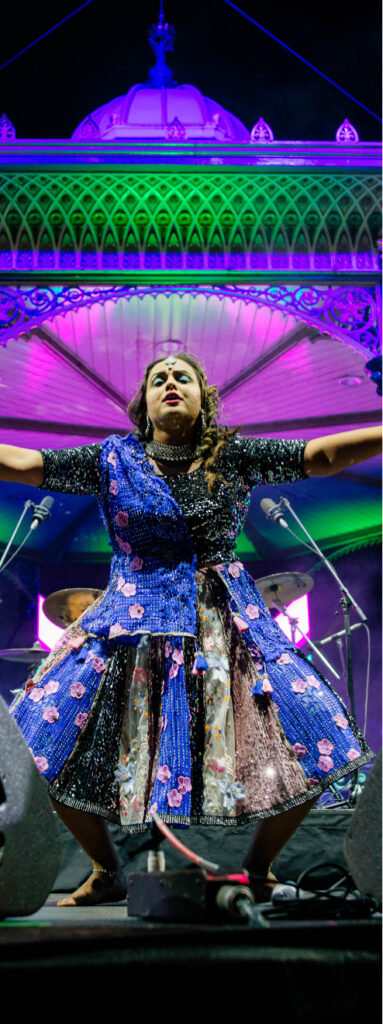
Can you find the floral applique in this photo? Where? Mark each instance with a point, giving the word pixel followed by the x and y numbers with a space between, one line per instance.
pixel 77 690
pixel 116 629
pixel 41 763
pixel 184 784
pixel 341 721
pixel 299 750
pixel 313 681
pixel 51 714
pixel 178 656
pixel 299 685
pixel 98 664
pixel 81 719
pixel 51 687
pixel 174 798
pixel 124 545
pixel 113 487
pixel 252 611
pixel 112 459
pixel 163 773
pixel 136 611
pixel 325 764
pixel 122 519
pixel 284 659
pixel 325 746
pixel 37 694
pixel 167 649
pixel 353 754
pixel 234 570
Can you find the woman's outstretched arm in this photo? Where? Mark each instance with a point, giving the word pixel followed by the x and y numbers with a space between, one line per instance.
pixel 325 456
pixel 21 465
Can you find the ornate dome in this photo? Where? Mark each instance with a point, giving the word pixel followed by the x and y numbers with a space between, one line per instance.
pixel 161 109
pixel 145 112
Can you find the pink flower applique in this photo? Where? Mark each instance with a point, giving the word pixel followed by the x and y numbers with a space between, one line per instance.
pixel 51 687
pixel 240 623
pixel 51 714
pixel 299 686
pixel 284 659
pixel 219 567
pixel 154 808
pixel 37 694
pixel 129 589
pixel 163 773
pixel 174 798
pixel 184 784
pixel 341 721
pixel 217 764
pixel 234 570
pixel 266 686
pixel 252 611
pixel 325 746
pixel 140 676
pixel 112 459
pixel 116 629
pixel 125 547
pixel 135 804
pixel 81 719
pixel 120 583
pixel 89 657
pixel 136 564
pixel 76 642
pixel 41 763
pixel 312 782
pixel 325 764
pixel 353 754
pixel 167 649
pixel 208 643
pixel 174 670
pixel 98 664
pixel 299 750
pixel 164 722
pixel 178 656
pixel 113 487
pixel 313 681
pixel 77 690
pixel 122 519
pixel 136 611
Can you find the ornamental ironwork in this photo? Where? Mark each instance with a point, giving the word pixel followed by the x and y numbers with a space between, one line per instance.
pixel 350 314
pixel 189 219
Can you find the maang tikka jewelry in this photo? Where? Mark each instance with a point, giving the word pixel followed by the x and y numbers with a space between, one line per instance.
pixel 169 362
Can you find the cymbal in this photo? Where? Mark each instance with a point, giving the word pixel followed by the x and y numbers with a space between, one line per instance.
pixel 29 655
pixel 283 587
pixel 64 606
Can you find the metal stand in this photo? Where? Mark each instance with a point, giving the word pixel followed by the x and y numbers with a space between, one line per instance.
pixel 346 601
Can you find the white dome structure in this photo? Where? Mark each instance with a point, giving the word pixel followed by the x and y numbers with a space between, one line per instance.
pixel 161 109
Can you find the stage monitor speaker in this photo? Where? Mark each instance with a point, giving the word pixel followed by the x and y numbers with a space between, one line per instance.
pixel 29 845
pixel 363 843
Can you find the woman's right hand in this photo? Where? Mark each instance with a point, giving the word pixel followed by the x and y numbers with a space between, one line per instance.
pixel 21 465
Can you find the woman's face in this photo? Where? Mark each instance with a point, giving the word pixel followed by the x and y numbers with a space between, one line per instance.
pixel 173 399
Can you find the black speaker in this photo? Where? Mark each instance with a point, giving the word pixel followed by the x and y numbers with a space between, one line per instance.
pixel 29 845
pixel 363 842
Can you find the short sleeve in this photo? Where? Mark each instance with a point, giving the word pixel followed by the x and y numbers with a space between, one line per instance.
pixel 72 470
pixel 268 460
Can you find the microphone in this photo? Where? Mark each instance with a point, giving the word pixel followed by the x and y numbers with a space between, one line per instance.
pixel 337 636
pixel 42 511
pixel 273 511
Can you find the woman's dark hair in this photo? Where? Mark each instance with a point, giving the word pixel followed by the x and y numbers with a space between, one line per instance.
pixel 211 438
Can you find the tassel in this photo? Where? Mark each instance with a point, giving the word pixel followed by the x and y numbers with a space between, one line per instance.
pixel 200 665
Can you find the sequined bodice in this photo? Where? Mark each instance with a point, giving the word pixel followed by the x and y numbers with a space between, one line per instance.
pixel 214 518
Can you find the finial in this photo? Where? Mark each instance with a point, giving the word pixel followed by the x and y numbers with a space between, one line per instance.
pixel 161 39
pixel 261 132
pixel 7 129
pixel 346 132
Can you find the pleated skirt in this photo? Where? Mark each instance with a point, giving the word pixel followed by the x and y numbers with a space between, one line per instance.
pixel 125 729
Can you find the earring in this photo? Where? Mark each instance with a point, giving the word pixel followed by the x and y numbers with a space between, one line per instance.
pixel 148 427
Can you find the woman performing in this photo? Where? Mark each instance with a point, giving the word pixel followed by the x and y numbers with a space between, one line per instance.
pixel 176 691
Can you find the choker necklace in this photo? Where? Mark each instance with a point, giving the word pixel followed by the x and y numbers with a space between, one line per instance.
pixel 171 452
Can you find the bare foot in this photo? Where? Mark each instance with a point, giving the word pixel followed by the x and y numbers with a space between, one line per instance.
pixel 262 888
pixel 97 889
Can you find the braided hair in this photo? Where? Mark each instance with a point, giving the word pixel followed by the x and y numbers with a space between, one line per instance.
pixel 210 435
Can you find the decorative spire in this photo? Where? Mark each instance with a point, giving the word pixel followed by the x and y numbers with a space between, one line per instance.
pixel 161 39
pixel 261 132
pixel 346 132
pixel 7 129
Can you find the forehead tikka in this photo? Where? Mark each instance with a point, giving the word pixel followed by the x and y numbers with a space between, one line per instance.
pixel 169 362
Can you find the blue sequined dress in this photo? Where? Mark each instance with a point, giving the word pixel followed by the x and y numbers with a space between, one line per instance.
pixel 177 691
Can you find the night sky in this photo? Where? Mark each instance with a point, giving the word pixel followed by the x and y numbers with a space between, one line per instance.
pixel 103 50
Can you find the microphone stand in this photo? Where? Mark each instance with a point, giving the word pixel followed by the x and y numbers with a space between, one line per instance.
pixel 346 602
pixel 28 504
